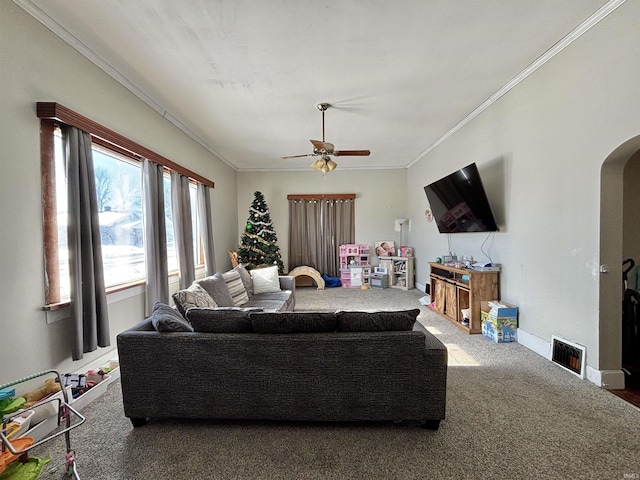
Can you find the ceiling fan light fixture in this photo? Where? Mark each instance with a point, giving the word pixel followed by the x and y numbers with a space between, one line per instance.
pixel 324 149
pixel 318 164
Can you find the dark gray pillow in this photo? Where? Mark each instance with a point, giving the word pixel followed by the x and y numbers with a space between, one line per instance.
pixel 166 319
pixel 246 279
pixel 220 320
pixel 216 286
pixel 377 321
pixel 293 322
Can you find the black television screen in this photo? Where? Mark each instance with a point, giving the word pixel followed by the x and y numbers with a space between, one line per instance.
pixel 459 203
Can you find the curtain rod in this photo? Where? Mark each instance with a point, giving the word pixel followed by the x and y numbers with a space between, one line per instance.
pixel 55 111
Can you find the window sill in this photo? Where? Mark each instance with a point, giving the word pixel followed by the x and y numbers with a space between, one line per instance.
pixel 58 311
pixel 52 307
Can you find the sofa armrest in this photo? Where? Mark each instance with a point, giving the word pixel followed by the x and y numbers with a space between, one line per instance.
pixel 288 282
pixel 431 342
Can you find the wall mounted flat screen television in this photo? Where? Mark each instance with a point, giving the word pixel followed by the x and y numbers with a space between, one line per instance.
pixel 459 203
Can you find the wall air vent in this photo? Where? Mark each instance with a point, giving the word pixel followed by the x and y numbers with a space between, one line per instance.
pixel 568 355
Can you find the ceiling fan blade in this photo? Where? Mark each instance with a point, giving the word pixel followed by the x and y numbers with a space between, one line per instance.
pixel 322 147
pixel 353 153
pixel 299 156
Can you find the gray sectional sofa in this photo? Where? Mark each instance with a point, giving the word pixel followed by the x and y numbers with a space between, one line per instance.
pixel 307 366
pixel 238 288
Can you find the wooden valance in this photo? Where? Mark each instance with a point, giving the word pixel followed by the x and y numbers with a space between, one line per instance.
pixel 56 112
pixel 322 196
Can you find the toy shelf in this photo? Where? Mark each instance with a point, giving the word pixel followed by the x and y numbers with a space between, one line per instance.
pixel 68 418
pixel 401 271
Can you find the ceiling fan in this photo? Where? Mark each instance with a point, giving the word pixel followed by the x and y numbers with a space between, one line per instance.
pixel 324 149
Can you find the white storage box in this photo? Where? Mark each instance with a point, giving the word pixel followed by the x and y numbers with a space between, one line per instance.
pixel 90 395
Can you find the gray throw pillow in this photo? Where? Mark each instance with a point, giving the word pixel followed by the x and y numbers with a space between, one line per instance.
pixel 377 321
pixel 236 287
pixel 216 286
pixel 246 279
pixel 220 320
pixel 166 319
pixel 194 296
pixel 293 322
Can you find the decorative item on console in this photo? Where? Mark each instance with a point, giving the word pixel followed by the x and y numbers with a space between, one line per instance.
pixel 456 264
pixel 451 260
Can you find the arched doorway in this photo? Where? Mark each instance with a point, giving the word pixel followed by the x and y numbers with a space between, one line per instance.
pixel 620 173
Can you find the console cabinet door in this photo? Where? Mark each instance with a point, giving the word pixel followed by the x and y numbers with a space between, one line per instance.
pixel 450 301
pixel 439 297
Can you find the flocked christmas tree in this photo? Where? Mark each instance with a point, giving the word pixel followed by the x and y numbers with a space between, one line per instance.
pixel 259 241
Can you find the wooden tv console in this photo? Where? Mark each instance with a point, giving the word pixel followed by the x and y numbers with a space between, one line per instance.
pixel 453 289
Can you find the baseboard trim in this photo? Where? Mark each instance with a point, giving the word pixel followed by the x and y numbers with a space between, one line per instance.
pixel 539 345
pixel 609 379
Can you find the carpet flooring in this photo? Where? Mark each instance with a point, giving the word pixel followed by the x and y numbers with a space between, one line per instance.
pixel 511 414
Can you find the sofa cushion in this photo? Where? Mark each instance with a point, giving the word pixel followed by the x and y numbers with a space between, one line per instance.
pixel 281 301
pixel 265 280
pixel 194 296
pixel 377 321
pixel 293 322
pixel 274 305
pixel 220 320
pixel 246 279
pixel 235 287
pixel 280 296
pixel 166 319
pixel 216 286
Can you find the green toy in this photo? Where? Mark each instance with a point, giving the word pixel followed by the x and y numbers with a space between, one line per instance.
pixel 13 405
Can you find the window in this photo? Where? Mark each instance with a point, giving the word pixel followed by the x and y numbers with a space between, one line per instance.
pixel 119 193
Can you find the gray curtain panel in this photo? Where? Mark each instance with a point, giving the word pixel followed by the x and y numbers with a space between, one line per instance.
pixel 316 229
pixel 206 228
pixel 182 228
pixel 88 298
pixel 155 235
pixel 303 222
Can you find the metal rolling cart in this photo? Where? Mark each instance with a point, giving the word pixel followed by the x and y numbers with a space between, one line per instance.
pixel 18 448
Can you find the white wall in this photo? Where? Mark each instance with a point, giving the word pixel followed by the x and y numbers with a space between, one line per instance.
pixel 38 66
pixel 539 150
pixel 380 199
